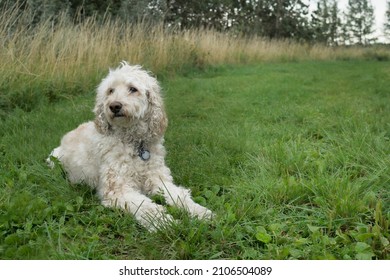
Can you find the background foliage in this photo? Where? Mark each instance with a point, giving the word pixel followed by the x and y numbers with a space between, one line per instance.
pixel 295 19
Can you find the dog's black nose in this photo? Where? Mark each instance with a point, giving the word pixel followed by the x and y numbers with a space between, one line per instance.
pixel 115 107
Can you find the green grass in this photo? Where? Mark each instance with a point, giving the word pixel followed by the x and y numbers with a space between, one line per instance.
pixel 293 158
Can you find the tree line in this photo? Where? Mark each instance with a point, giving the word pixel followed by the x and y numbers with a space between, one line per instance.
pixel 323 22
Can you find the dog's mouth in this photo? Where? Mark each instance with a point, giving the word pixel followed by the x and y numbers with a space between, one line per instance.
pixel 118 115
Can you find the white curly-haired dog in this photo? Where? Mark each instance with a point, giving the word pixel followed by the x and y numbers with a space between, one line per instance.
pixel 121 153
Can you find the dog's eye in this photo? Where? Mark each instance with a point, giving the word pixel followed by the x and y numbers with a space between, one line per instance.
pixel 110 91
pixel 132 89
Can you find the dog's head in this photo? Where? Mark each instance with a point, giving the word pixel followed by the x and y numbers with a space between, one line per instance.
pixel 126 96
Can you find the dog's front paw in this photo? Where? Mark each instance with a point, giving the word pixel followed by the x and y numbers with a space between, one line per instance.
pixel 155 219
pixel 201 212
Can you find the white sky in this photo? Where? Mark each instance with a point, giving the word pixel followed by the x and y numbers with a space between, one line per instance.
pixel 379 9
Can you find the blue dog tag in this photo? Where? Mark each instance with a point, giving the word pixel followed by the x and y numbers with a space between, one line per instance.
pixel 144 155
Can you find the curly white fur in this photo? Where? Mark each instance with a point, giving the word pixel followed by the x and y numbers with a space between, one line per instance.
pixel 121 153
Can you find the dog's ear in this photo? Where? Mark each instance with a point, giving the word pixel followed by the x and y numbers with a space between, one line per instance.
pixel 101 122
pixel 157 118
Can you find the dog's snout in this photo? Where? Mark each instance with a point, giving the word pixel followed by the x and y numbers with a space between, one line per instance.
pixel 115 107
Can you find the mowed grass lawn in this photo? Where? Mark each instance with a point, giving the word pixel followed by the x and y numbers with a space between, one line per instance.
pixel 293 158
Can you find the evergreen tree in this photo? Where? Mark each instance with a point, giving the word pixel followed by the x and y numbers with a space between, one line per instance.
pixel 360 21
pixel 320 21
pixel 136 10
pixel 335 23
pixel 194 13
pixel 325 22
pixel 272 19
pixel 387 21
pixel 288 19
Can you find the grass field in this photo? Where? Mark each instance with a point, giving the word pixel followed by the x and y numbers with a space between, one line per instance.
pixel 293 158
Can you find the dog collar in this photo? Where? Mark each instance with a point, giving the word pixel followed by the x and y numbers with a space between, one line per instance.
pixel 143 153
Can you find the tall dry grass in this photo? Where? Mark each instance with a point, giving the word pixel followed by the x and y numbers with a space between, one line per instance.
pixel 63 55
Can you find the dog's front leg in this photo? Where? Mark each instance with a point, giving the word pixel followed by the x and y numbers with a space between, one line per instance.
pixel 181 197
pixel 124 195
